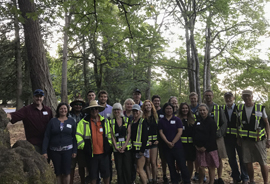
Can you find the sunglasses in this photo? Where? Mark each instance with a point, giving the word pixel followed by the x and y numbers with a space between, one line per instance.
pixel 80 104
pixel 94 108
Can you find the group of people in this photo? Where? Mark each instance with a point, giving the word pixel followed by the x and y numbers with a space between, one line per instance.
pixel 187 137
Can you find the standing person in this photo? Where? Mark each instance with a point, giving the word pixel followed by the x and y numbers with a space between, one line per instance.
pixel 128 108
pixel 255 135
pixel 187 118
pixel 173 100
pixel 94 138
pixel 217 113
pixel 231 112
pixel 91 95
pixel 120 133
pixel 170 130
pixel 204 139
pixel 139 137
pixel 137 97
pixel 193 98
pixel 102 100
pixel 61 141
pixel 156 102
pixel 77 114
pixel 35 118
pixel 151 118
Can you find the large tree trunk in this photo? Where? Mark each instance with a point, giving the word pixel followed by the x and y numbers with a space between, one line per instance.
pixel 64 93
pixel 39 70
pixel 19 101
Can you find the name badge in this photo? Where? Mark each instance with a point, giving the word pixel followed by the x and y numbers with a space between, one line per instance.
pixel 183 127
pixel 69 125
pixel 117 134
pixel 147 128
pixel 161 116
pixel 121 139
pixel 45 113
pixel 108 114
pixel 244 122
pixel 198 123
pixel 258 113
pixel 172 121
pixel 101 130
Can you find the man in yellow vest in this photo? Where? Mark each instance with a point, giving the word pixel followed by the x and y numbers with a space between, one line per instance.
pixel 94 138
pixel 254 133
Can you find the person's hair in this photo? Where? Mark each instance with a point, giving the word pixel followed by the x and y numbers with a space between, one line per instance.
pixel 204 105
pixel 193 94
pixel 58 107
pixel 190 117
pixel 172 98
pixel 166 105
pixel 117 106
pixel 208 90
pixel 153 110
pixel 155 96
pixel 101 92
pixel 90 91
pixel 128 99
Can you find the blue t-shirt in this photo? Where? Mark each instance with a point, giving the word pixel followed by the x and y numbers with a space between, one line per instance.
pixel 170 129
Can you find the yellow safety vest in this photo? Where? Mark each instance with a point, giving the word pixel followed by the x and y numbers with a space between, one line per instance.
pixel 138 143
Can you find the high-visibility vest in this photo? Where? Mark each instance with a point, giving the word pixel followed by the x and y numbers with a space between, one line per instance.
pixel 152 137
pixel 83 132
pixel 137 144
pixel 255 128
pixel 216 114
pixel 186 139
pixel 119 144
pixel 232 125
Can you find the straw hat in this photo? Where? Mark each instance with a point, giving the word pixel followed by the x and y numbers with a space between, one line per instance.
pixel 78 99
pixel 93 104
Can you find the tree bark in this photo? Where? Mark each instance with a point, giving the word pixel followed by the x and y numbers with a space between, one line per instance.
pixel 39 70
pixel 64 93
pixel 18 58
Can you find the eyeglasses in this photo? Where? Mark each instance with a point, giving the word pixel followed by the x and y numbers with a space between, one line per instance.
pixel 80 104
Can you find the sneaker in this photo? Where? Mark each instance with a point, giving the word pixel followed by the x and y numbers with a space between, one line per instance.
pixel 204 179
pixel 195 177
pixel 216 181
pixel 220 181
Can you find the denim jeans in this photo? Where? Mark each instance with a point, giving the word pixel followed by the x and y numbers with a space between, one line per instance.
pixel 177 154
pixel 232 147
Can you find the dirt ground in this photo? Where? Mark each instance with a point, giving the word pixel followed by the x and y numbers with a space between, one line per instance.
pixel 17 133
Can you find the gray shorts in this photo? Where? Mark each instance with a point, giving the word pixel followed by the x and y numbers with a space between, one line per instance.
pixel 145 154
pixel 254 151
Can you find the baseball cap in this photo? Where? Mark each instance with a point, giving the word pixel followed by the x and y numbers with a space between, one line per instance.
pixel 136 107
pixel 228 94
pixel 38 92
pixel 137 90
pixel 246 92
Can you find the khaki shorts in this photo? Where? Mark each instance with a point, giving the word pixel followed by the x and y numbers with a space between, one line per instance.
pixel 222 153
pixel 254 151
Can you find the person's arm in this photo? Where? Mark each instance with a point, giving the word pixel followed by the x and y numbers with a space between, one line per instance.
pixel 267 131
pixel 128 138
pixel 46 139
pixel 74 141
pixel 178 135
pixel 113 140
pixel 17 116
pixel 144 136
pixel 222 124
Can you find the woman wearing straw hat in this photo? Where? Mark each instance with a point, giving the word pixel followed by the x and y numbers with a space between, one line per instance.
pixel 93 136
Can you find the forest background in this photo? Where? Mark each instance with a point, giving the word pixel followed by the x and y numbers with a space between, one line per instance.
pixel 122 45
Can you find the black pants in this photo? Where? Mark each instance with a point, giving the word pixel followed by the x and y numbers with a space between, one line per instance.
pixel 177 154
pixel 123 164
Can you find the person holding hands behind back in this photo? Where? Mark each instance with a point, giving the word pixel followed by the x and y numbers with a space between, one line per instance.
pixel 61 141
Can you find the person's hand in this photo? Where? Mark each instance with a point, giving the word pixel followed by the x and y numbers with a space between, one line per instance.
pixel 117 149
pixel 267 143
pixel 150 143
pixel 170 145
pixel 74 155
pixel 156 142
pixel 9 117
pixel 122 150
pixel 203 149
pixel 45 155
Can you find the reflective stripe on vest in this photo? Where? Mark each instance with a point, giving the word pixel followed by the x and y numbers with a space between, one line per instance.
pixel 138 143
pixel 122 143
pixel 254 134
pixel 231 131
pixel 216 115
pixel 152 137
pixel 186 139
